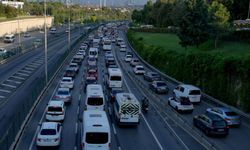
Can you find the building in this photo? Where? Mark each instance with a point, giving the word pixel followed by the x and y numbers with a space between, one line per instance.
pixel 13 4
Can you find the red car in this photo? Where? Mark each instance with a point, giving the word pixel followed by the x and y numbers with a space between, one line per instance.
pixel 92 74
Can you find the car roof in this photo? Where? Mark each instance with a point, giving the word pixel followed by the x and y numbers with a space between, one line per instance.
pixel 49 125
pixel 224 109
pixel 213 116
pixel 56 103
pixel 63 89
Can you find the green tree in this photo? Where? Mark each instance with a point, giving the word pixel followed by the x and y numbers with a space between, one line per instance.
pixel 194 28
pixel 219 20
pixel 10 12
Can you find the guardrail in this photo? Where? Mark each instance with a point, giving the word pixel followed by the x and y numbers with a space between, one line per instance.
pixel 205 97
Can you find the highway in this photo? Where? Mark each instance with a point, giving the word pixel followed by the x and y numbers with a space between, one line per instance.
pixel 161 128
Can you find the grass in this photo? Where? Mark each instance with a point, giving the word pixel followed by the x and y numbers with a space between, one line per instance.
pixel 171 42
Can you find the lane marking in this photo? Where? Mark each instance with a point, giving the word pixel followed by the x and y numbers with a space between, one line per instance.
pixel 17 82
pixel 36 63
pixel 113 126
pixel 5 91
pixel 32 66
pixel 23 74
pixel 16 77
pixel 75 148
pixel 34 138
pixel 11 86
pixel 78 108
pixel 76 128
pixel 28 68
pixel 119 148
pixel 25 71
pixel 2 96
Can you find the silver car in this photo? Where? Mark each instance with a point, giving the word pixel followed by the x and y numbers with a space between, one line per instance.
pixel 63 94
pixel 231 117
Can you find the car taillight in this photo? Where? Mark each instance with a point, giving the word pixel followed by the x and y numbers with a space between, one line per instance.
pixel 227 127
pixel 227 119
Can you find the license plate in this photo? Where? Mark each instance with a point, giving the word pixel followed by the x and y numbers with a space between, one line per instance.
pixel 220 129
pixel 47 140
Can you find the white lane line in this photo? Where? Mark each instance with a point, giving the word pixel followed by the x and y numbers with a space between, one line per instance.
pixel 76 128
pixel 149 127
pixel 23 74
pixel 25 71
pixel 32 66
pixel 79 98
pixel 78 108
pixel 11 86
pixel 16 77
pixel 113 126
pixel 28 68
pixel 2 96
pixel 5 91
pixel 119 148
pixel 75 148
pixel 40 122
pixel 17 82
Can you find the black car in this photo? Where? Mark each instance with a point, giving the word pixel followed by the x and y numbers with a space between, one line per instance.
pixel 113 92
pixel 211 124
pixel 152 76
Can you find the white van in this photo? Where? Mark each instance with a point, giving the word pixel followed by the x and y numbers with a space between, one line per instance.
pixel 53 30
pixel 95 97
pixel 114 77
pixel 10 38
pixel 93 52
pixel 127 109
pixel 95 131
pixel 190 91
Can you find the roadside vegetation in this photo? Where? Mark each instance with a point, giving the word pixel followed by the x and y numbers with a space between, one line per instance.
pixel 198 42
pixel 61 12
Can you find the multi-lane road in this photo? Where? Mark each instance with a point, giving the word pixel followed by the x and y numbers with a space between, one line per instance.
pixel 161 128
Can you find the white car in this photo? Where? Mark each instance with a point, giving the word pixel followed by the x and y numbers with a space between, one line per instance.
pixel 67 82
pixel 139 69
pixel 2 51
pixel 128 58
pixel 74 66
pixel 123 48
pixel 190 91
pixel 80 55
pixel 181 104
pixel 49 134
pixel 63 94
pixel 55 111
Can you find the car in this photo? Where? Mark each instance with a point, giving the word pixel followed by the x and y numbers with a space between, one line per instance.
pixel 3 51
pixel 9 38
pixel 92 61
pixel 134 62
pixel 190 91
pixel 151 76
pixel 139 69
pixel 128 58
pixel 231 117
pixel 123 48
pixel 27 34
pixel 211 124
pixel 53 30
pixel 67 82
pixel 181 104
pixel 74 66
pixel 63 94
pixel 55 111
pixel 77 59
pixel 83 47
pixel 49 134
pixel 159 87
pixel 113 92
pixel 113 66
pixel 80 55
pixel 92 74
pixel 70 73
pixel 110 61
pixel 37 42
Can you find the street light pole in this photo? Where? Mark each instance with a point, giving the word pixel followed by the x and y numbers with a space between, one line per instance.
pixel 19 36
pixel 69 25
pixel 45 44
pixel 248 11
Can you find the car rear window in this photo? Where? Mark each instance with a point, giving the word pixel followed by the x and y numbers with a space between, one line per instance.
pixel 63 92
pixel 140 68
pixel 96 101
pixel 48 132
pixel 185 101
pixel 96 137
pixel 115 78
pixel 231 113
pixel 66 80
pixel 195 92
pixel 54 109
pixel 161 84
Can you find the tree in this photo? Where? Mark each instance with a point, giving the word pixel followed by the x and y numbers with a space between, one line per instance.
pixel 10 12
pixel 219 20
pixel 194 28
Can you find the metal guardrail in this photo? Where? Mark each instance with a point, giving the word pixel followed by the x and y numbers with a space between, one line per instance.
pixel 205 97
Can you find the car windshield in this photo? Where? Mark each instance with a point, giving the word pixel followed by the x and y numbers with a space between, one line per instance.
pixel 48 132
pixel 219 123
pixel 63 93
pixel 66 80
pixel 231 113
pixel 161 84
pixel 96 137
pixel 54 109
pixel 140 68
pixel 195 92
pixel 91 59
pixel 96 101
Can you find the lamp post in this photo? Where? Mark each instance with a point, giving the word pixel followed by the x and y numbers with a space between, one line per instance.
pixel 19 35
pixel 248 15
pixel 69 25
pixel 45 44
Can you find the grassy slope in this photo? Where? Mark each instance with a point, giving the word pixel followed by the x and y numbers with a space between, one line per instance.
pixel 171 42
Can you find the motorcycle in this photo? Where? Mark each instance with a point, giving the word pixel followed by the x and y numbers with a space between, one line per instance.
pixel 145 106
